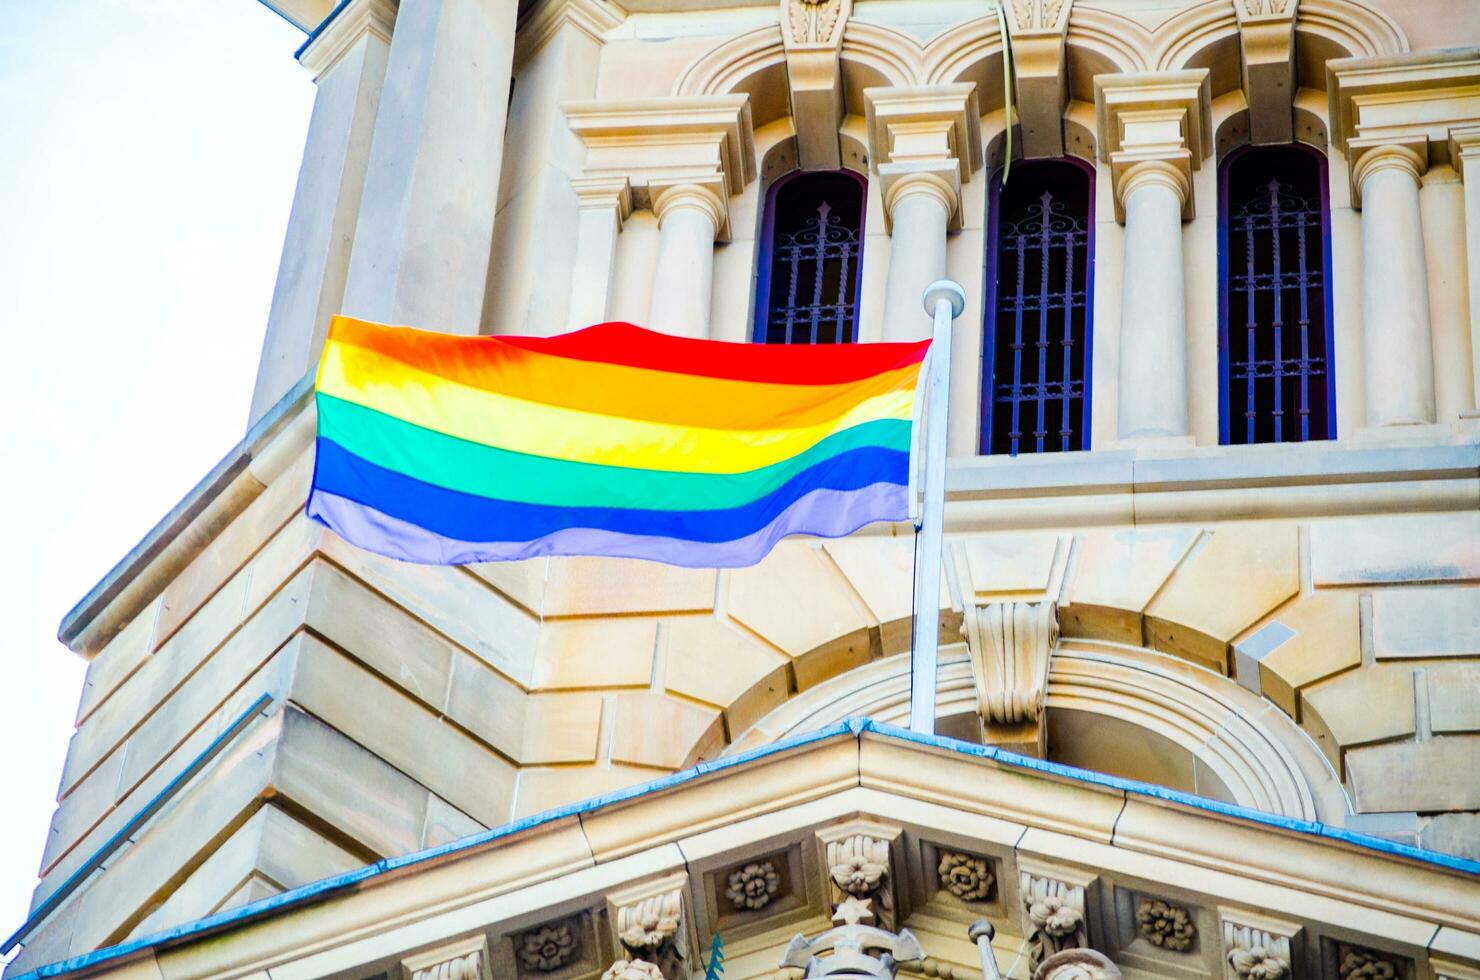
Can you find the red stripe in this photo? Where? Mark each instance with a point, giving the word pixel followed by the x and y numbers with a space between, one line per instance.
pixel 798 364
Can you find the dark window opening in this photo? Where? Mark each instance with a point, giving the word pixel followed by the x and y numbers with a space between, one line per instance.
pixel 1275 339
pixel 811 249
pixel 1035 396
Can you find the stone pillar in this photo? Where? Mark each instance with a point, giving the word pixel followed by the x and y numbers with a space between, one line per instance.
pixel 1464 153
pixel 1153 305
pixel 604 205
pixel 684 157
pixel 691 215
pixel 925 142
pixel 1396 331
pixel 919 206
pixel 421 253
pixel 1154 130
pixel 347 60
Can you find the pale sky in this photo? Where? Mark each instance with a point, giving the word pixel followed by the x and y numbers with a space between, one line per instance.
pixel 148 150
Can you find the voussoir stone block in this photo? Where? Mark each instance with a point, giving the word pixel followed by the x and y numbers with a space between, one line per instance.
pixel 1433 775
pixel 598 586
pixel 654 730
pixel 1431 622
pixel 1370 704
pixel 586 653
pixel 711 661
pixel 560 728
pixel 1114 575
pixel 1454 697
pixel 1235 577
pixel 797 600
pixel 881 570
pixel 1325 640
pixel 1405 549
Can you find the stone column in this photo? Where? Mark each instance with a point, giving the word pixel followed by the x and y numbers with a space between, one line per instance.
pixel 919 206
pixel 691 215
pixel 604 205
pixel 1153 305
pixel 1396 331
pixel 421 253
pixel 1154 130
pixel 347 60
pixel 1464 153
pixel 925 142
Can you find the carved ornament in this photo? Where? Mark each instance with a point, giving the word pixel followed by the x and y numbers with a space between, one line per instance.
pixel 1256 947
pixel 1365 964
pixel 753 886
pixel 966 876
pixel 1164 924
pixel 547 948
pixel 461 959
pixel 1053 914
pixel 1011 644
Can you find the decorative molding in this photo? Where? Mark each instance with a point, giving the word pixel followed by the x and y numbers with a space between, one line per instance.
pixel 604 194
pixel 544 19
pixel 859 858
pixel 1010 644
pixel 1359 30
pixel 461 959
pixel 546 948
pixel 814 23
pixel 1256 947
pixel 1055 916
pixel 1164 924
pixel 649 923
pixel 1156 117
pixel 1453 970
pixel 1077 964
pixel 705 195
pixel 752 886
pixel 373 17
pixel 966 876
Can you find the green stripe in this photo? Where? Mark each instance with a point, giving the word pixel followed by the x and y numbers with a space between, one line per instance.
pixel 470 467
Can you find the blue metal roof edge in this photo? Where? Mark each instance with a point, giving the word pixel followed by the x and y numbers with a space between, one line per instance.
pixel 850 726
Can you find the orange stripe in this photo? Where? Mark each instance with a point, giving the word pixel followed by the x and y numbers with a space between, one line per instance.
pixel 617 390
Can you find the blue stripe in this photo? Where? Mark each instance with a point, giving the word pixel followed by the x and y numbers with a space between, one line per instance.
pixel 467 517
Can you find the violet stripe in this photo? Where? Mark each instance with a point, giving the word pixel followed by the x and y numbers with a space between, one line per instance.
pixel 821 513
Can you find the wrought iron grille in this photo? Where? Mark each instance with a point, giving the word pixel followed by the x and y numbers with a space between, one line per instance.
pixel 1038 395
pixel 1276 349
pixel 814 233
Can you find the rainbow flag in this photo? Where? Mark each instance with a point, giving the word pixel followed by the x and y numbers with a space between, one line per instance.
pixel 612 440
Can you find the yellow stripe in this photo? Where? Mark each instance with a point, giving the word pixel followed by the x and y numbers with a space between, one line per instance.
pixel 428 400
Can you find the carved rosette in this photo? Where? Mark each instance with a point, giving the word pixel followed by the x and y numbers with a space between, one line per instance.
pixel 1164 924
pixel 1054 916
pixel 547 948
pixel 1365 964
pixel 753 886
pixel 966 876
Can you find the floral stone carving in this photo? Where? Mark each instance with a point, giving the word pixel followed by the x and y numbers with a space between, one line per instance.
pixel 966 876
pixel 1361 964
pixel 1165 925
pixel 632 970
pixel 546 948
pixel 1257 963
pixel 753 886
pixel 857 865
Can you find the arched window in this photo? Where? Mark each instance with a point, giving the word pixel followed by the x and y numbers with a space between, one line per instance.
pixel 1040 277
pixel 811 249
pixel 1274 345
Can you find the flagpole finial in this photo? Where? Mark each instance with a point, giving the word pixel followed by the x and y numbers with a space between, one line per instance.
pixel 945 289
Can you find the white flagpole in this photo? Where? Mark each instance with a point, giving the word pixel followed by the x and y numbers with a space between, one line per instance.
pixel 944 300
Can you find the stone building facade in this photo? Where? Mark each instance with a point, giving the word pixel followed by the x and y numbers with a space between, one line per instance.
pixel 1209 697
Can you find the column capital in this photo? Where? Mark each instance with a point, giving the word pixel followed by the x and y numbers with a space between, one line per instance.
pixel 1409 100
pixel 1162 118
pixel 667 140
pixel 938 179
pixel 604 194
pixel 344 29
pixel 1374 155
pixel 705 195
pixel 924 124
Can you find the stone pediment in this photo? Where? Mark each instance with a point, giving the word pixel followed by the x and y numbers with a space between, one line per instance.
pixel 766 845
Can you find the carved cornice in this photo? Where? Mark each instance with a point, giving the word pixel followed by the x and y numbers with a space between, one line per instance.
pixel 1411 101
pixel 543 19
pixel 361 17
pixel 461 959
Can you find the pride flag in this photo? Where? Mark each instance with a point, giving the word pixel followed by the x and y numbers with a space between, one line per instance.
pixel 612 440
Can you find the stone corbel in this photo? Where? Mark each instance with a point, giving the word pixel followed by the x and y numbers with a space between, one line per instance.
pixel 1055 911
pixel 924 135
pixel 1401 102
pixel 462 959
pixel 812 32
pixel 1267 41
pixel 1158 118
pixel 860 859
pixel 705 140
pixel 1038 29
pixel 1258 947
pixel 650 925
pixel 1011 644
